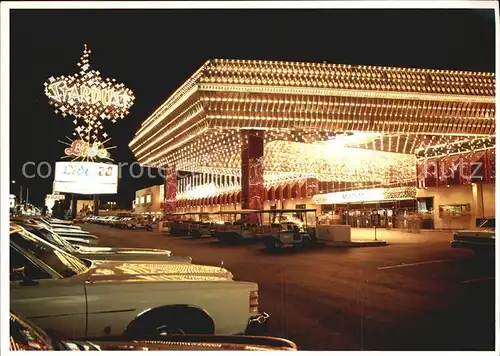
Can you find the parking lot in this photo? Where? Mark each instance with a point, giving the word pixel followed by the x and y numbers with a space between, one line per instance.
pixel 414 294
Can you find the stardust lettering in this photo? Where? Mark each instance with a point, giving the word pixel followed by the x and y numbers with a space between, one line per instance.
pixel 82 94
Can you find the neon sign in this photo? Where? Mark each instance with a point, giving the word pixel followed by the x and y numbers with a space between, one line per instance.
pixel 91 99
pixel 87 95
pixel 83 149
pixel 366 195
pixel 60 92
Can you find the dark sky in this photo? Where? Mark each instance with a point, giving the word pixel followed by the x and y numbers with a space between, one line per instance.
pixel 154 51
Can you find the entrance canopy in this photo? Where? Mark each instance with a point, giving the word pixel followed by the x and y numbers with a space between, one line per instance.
pixel 345 123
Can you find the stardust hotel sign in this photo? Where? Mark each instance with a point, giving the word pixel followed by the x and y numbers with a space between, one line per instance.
pixel 366 195
pixel 87 95
pixel 83 94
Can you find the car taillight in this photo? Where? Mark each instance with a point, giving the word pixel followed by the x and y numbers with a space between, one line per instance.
pixel 254 301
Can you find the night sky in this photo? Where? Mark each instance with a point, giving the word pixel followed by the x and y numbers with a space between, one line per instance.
pixel 154 51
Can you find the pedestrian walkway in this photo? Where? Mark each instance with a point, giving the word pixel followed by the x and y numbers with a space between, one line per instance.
pixel 400 236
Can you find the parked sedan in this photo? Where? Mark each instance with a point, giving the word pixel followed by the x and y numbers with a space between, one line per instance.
pixel 124 223
pixel 102 253
pixel 120 222
pixel 55 224
pixel 26 336
pixel 82 298
pixel 78 239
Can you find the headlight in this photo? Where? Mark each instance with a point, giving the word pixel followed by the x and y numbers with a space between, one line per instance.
pixel 254 301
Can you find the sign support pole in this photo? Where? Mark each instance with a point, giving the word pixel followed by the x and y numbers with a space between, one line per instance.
pixel 96 204
pixel 73 206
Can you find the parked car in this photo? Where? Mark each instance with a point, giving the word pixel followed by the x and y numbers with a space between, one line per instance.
pixel 56 224
pixel 138 223
pixel 111 220
pixel 59 221
pixel 26 336
pixel 122 223
pixel 482 242
pixel 101 253
pixel 41 220
pixel 119 223
pixel 83 298
pixel 78 239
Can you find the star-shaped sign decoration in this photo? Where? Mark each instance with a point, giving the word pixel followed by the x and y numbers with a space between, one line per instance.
pixel 79 92
pixel 88 96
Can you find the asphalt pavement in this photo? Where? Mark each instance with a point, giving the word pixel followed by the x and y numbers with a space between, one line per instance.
pixel 416 293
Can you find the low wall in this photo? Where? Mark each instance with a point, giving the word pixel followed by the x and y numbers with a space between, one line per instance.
pixel 334 233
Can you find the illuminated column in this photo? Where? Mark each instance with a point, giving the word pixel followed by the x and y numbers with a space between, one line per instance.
pixel 170 189
pixel 312 187
pixel 252 169
pixel 477 203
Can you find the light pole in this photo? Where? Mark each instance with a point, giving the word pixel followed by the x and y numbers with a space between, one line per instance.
pixel 13 182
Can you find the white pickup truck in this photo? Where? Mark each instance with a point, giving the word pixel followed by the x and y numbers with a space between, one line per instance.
pixel 83 298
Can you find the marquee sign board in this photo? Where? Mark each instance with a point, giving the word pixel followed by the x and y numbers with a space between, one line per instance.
pixel 366 195
pixel 55 196
pixel 86 178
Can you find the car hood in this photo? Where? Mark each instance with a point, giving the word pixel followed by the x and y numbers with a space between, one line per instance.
pixel 187 342
pixel 154 271
pixel 475 233
pixel 129 254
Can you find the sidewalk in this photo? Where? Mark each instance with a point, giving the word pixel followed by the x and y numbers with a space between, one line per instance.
pixel 400 236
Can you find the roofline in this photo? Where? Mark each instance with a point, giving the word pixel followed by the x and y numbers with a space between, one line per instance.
pixel 170 100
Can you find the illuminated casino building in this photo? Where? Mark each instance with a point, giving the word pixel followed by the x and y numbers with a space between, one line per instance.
pixel 345 139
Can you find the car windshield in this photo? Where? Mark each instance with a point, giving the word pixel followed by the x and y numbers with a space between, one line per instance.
pixel 51 237
pixel 60 261
pixel 26 337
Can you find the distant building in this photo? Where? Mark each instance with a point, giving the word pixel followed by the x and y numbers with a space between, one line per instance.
pixel 149 200
pixel 84 205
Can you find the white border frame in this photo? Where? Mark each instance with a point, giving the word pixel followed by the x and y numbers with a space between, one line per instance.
pixel 6 6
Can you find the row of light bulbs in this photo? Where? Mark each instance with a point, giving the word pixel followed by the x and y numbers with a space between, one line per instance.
pixel 229 148
pixel 292 77
pixel 316 68
pixel 487 112
pixel 344 84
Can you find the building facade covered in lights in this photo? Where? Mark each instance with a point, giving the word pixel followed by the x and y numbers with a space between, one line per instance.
pixel 348 140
